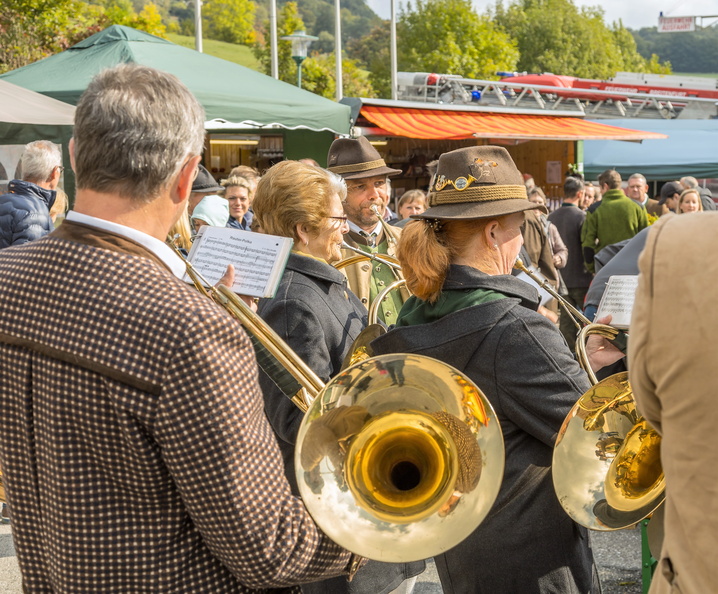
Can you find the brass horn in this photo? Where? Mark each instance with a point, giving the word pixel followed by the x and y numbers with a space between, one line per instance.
pixel 607 471
pixel 379 299
pixel 393 263
pixel 384 225
pixel 606 466
pixel 399 457
pixel 617 337
pixel 362 256
pixel 575 315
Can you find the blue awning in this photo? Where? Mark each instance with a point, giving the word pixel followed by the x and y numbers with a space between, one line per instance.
pixel 690 149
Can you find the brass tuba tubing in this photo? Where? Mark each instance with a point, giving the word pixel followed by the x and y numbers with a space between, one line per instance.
pixel 378 300
pixel 619 338
pixel 293 377
pixel 364 432
pixel 379 258
pixel 375 209
pixel 570 309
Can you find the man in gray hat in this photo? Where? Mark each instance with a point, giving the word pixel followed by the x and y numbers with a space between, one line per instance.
pixel 670 196
pixel 366 175
pixel 204 185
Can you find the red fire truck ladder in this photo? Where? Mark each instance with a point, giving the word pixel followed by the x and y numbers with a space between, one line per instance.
pixel 508 96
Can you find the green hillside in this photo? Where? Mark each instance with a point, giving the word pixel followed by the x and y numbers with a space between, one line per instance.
pixel 239 54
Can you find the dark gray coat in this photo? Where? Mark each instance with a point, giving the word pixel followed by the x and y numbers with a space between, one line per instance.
pixel 569 220
pixel 528 543
pixel 317 315
pixel 319 318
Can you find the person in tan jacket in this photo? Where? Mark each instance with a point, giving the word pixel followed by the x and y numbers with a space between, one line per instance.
pixel 674 377
pixel 367 178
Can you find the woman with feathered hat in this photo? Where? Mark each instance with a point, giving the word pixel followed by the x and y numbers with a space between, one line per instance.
pixel 467 310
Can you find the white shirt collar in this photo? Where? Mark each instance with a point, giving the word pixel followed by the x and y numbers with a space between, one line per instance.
pixel 357 229
pixel 157 247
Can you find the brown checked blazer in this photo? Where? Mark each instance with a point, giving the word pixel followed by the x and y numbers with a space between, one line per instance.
pixel 134 446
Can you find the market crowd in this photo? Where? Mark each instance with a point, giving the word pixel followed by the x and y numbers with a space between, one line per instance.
pixel 143 449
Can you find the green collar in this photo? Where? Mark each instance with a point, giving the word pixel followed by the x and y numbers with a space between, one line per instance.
pixel 417 311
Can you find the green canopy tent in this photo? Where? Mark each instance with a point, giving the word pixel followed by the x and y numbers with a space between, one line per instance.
pixel 227 91
pixel 248 100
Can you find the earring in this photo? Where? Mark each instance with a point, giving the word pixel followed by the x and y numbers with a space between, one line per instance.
pixel 306 242
pixel 496 246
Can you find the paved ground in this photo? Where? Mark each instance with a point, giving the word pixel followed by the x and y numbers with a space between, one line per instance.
pixel 618 555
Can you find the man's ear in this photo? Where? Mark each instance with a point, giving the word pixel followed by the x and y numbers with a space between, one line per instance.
pixel 185 179
pixel 71 148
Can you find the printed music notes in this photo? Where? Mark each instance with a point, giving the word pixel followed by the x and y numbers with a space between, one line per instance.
pixel 618 300
pixel 258 259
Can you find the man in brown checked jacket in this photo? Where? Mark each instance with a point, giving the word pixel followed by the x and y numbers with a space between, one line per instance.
pixel 134 447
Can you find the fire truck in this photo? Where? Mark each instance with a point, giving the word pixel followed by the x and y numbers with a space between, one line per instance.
pixel 627 95
pixel 627 82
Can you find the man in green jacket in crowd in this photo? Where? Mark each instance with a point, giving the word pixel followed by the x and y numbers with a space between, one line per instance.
pixel 617 218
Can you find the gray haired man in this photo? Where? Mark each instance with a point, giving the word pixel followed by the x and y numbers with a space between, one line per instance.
pixel 25 209
pixel 135 451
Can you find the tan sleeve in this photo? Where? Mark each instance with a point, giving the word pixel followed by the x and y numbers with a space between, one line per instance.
pixel 640 343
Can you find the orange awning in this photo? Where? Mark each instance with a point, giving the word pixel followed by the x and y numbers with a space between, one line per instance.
pixel 454 125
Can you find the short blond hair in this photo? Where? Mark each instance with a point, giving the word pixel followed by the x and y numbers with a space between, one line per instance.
pixel 235 180
pixel 59 207
pixel 292 193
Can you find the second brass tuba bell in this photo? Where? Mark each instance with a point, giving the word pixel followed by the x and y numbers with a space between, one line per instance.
pixel 606 467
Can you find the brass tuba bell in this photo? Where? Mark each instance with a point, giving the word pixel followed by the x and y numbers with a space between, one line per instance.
pixel 606 467
pixel 399 458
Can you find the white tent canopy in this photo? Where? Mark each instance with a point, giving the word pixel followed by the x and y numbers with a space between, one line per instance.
pixel 21 106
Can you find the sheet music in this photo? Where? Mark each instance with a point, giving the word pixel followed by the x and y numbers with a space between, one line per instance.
pixel 618 300
pixel 258 259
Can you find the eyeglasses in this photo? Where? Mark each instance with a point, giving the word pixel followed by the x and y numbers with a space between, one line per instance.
pixel 342 219
pixel 61 168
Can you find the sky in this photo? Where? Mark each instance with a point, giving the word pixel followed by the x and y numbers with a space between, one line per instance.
pixel 634 13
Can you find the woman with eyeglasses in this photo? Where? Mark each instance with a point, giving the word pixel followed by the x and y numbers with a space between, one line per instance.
pixel 316 314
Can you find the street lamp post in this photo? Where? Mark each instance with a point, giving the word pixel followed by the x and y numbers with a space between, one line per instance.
pixel 300 46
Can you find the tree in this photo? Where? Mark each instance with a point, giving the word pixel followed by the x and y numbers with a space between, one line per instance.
pixel 34 29
pixel 690 52
pixel 150 20
pixel 557 36
pixel 288 21
pixel 229 20
pixel 372 52
pixel 449 37
pixel 319 76
pixel 318 71
pixel 122 12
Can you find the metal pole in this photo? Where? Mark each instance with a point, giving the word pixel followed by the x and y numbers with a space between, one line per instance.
pixel 338 48
pixel 393 50
pixel 273 38
pixel 198 25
